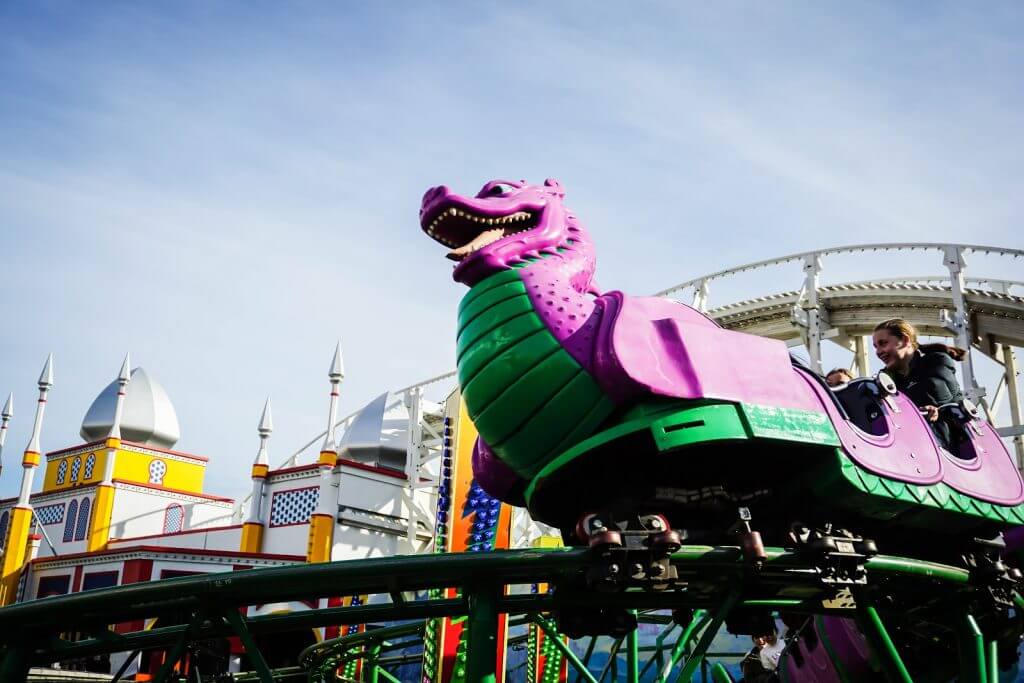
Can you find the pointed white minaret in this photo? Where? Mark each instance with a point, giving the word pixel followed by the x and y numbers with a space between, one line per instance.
pixel 321 523
pixel 5 417
pixel 114 437
pixel 261 465
pixel 14 556
pixel 103 504
pixel 335 374
pixel 32 456
pixel 252 529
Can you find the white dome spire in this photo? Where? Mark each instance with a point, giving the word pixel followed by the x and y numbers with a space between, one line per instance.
pixel 148 416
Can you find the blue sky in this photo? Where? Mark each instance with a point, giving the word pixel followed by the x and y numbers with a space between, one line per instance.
pixel 225 189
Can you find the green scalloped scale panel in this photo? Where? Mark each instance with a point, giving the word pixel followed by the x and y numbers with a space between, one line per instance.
pixel 919 505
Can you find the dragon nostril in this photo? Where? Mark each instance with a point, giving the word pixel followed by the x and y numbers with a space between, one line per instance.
pixel 433 193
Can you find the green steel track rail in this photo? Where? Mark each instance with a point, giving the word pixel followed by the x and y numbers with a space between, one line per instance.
pixel 207 607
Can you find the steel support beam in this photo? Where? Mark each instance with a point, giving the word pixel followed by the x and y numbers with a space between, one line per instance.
pixel 633 653
pixel 960 322
pixel 237 623
pixel 482 635
pixel 697 656
pixel 971 643
pixel 1010 377
pixel 881 644
pixel 812 273
pixel 698 621
pixel 551 633
pixel 860 356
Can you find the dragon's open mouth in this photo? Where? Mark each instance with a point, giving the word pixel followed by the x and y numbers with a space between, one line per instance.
pixel 466 232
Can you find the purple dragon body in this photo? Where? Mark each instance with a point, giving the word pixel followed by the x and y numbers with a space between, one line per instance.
pixel 637 348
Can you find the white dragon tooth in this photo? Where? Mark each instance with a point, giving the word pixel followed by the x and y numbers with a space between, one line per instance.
pixel 453 211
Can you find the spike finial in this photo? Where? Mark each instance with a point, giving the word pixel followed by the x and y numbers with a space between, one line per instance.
pixel 337 371
pixel 266 421
pixel 46 376
pixel 8 412
pixel 125 375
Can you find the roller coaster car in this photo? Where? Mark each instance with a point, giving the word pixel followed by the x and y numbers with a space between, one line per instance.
pixel 862 458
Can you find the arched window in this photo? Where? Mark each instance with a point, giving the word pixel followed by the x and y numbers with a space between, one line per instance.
pixel 62 471
pixel 4 518
pixel 69 522
pixel 157 470
pixel 76 467
pixel 174 516
pixel 83 520
pixel 90 465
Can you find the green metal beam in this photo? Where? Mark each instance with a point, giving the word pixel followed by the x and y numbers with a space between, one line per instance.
pixel 237 624
pixel 482 636
pixel 633 653
pixel 552 634
pixel 697 656
pixel 698 621
pixel 881 644
pixel 388 575
pixel 174 656
pixel 993 661
pixel 972 650
pixel 39 621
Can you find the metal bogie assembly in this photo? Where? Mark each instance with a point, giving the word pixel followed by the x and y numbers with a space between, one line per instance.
pixel 632 552
pixel 838 556
pixel 989 572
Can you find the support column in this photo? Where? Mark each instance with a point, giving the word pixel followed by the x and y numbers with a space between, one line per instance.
pixel 1013 392
pixel 972 651
pixel 860 355
pixel 482 635
pixel 700 296
pixel 960 323
pixel 812 270
pixel 633 654
pixel 881 644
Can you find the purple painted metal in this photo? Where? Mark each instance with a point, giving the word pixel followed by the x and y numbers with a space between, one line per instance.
pixel 845 648
pixel 906 451
pixel 991 475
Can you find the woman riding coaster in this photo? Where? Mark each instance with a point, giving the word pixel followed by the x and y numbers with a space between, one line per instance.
pixel 926 373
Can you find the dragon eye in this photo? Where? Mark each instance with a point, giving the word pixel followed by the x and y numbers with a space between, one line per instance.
pixel 497 190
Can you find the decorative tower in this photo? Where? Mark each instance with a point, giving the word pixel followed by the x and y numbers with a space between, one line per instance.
pixel 252 530
pixel 5 417
pixel 103 507
pixel 21 515
pixel 321 522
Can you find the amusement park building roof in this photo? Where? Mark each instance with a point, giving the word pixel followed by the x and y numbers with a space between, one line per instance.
pixel 149 417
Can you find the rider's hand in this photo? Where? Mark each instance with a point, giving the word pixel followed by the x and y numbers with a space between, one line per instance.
pixel 931 413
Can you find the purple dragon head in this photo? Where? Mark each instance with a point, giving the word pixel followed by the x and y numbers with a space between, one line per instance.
pixel 506 224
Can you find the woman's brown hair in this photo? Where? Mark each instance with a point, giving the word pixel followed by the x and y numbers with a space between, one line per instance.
pixel 898 327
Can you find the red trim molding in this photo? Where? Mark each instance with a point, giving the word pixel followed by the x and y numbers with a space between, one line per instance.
pixel 297 468
pixel 155 487
pixel 161 550
pixel 101 445
pixel 177 533
pixel 386 471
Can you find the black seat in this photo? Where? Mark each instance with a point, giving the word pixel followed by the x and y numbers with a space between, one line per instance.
pixel 860 399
